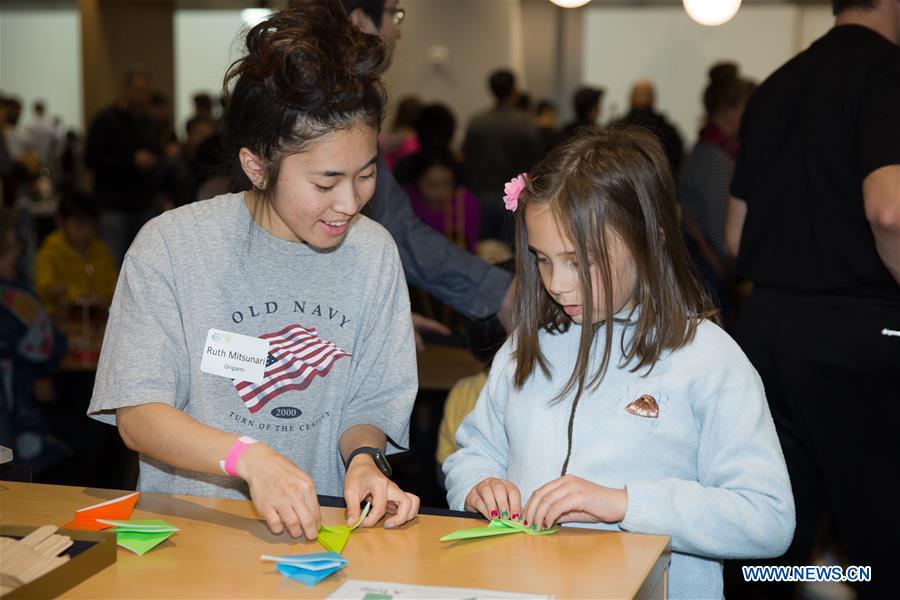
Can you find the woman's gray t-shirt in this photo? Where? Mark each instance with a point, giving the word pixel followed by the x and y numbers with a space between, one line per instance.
pixel 340 320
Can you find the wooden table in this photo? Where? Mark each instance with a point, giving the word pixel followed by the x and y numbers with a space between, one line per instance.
pixel 216 553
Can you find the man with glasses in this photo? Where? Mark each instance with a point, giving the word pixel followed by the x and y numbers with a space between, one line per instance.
pixel 430 261
pixel 380 17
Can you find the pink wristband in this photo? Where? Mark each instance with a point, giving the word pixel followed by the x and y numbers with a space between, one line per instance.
pixel 229 465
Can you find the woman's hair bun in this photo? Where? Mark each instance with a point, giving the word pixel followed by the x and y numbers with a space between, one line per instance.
pixel 310 57
pixel 726 88
pixel 307 71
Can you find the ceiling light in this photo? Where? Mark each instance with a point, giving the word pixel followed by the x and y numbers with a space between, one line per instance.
pixel 711 12
pixel 570 3
pixel 252 16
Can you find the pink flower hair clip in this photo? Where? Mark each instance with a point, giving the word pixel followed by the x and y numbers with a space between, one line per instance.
pixel 513 189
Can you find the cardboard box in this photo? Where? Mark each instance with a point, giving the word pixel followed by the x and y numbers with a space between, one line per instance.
pixel 92 552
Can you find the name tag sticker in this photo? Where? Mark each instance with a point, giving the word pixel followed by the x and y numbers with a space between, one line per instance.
pixel 234 356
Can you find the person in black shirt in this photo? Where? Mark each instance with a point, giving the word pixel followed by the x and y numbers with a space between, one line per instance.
pixel 123 151
pixel 815 215
pixel 500 143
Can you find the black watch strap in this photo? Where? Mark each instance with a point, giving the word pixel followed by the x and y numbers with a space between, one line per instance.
pixel 377 455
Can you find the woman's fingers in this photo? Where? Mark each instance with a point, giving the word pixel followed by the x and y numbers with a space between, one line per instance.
pixel 402 503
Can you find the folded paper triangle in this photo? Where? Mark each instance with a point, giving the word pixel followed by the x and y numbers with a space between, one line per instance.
pixel 141 542
pixel 334 537
pixel 117 508
pixel 309 569
pixel 305 576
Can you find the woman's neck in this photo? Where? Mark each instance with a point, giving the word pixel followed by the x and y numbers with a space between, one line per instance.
pixel 267 218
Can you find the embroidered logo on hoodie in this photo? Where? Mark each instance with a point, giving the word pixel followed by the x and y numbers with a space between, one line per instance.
pixel 644 406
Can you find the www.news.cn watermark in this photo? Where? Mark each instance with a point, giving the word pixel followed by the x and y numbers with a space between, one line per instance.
pixel 808 573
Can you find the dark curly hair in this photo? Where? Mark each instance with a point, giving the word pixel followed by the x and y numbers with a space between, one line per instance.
pixel 307 72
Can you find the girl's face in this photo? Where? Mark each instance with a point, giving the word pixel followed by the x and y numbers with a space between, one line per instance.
pixel 557 264
pixel 320 190
pixel 437 185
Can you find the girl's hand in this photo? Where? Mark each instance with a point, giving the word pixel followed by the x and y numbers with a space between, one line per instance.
pixel 495 498
pixel 283 494
pixel 365 480
pixel 572 498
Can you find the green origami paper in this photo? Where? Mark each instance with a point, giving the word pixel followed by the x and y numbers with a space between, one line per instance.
pixel 141 536
pixel 494 528
pixel 334 537
pixel 141 543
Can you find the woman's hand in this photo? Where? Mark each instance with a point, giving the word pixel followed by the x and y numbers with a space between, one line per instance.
pixel 495 498
pixel 365 480
pixel 283 494
pixel 573 499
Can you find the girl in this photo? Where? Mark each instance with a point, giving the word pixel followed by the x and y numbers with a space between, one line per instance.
pixel 286 279
pixel 439 200
pixel 617 402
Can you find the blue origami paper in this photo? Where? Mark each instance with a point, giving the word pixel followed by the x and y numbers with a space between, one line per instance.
pixel 303 576
pixel 308 569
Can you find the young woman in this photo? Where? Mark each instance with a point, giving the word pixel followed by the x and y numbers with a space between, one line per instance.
pixel 279 314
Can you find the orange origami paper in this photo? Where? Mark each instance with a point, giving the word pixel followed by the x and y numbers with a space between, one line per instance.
pixel 118 509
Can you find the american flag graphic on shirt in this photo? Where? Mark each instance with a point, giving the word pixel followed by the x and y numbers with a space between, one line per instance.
pixel 296 356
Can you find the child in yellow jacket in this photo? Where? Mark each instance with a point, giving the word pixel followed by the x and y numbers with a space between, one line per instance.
pixel 72 265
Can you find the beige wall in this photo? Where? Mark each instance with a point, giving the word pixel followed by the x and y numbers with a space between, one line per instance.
pixel 539 41
pixel 552 49
pixel 476 36
pixel 32 69
pixel 662 43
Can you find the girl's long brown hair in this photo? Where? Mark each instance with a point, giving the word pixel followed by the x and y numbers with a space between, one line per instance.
pixel 598 182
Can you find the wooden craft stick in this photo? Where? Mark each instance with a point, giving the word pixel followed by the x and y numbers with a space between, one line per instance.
pixel 49 547
pixel 39 535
